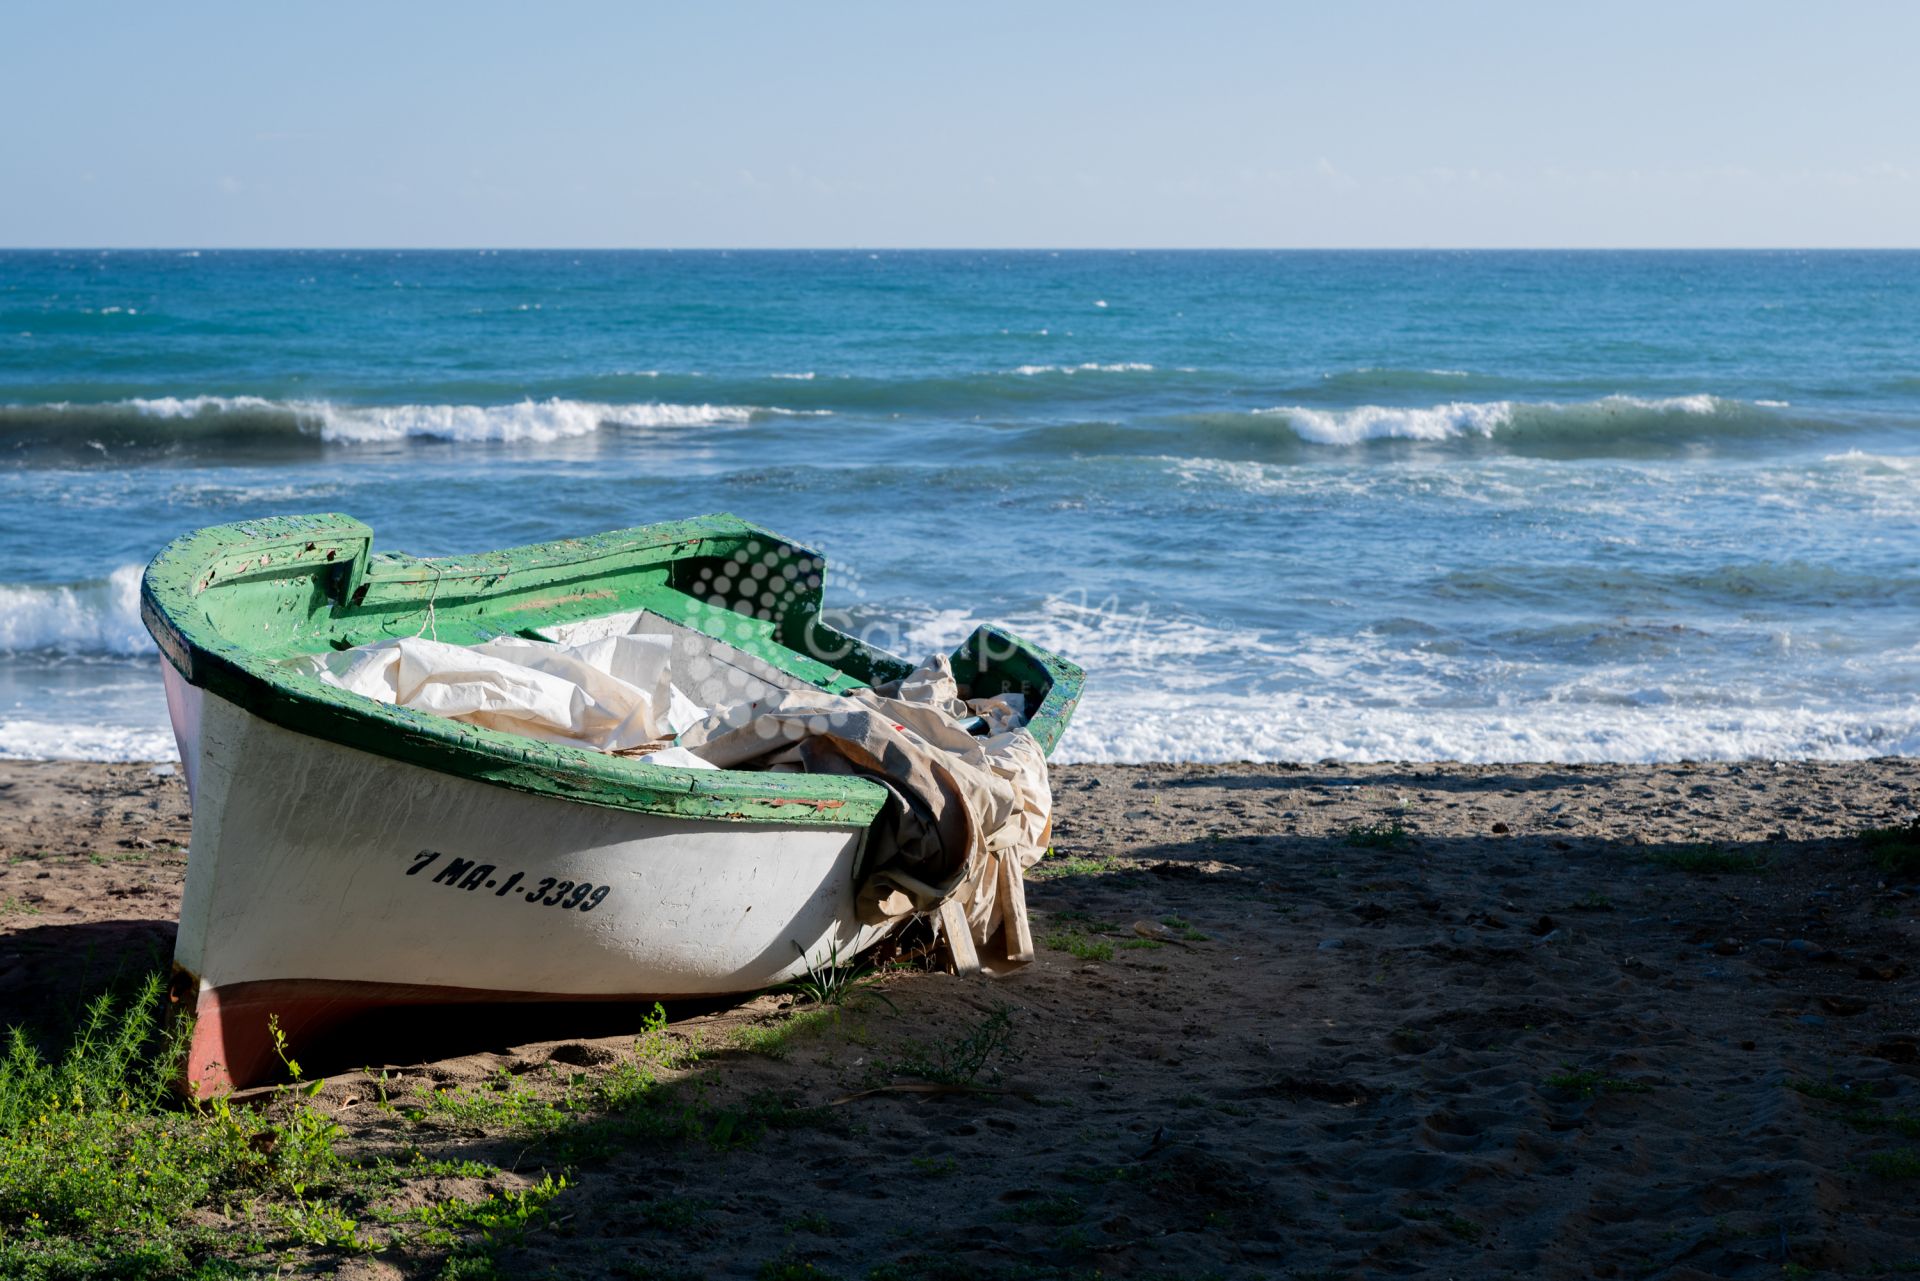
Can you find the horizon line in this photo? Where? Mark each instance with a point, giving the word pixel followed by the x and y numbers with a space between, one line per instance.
pixel 1010 249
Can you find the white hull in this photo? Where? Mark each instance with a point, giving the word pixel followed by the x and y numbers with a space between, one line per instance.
pixel 317 869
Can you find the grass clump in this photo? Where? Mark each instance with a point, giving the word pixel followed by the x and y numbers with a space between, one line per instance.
pixel 1080 936
pixel 1081 945
pixel 1710 859
pixel 503 1102
pixel 1386 834
pixel 775 1040
pixel 104 1174
pixel 1830 1091
pixel 1052 1211
pixel 1588 1083
pixel 576 1116
pixel 1410 1040
pixel 675 1214
pixel 1861 1109
pixel 100 1167
pixel 840 983
pixel 500 1218
pixel 1901 1163
pixel 1054 866
pixel 957 1061
pixel 1895 850
pixel 789 1266
pixel 1182 928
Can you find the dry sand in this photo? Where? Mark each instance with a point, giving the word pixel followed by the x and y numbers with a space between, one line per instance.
pixel 1519 1042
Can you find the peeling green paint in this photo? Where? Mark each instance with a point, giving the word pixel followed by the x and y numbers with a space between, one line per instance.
pixel 228 603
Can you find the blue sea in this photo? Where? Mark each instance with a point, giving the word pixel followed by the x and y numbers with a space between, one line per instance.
pixel 1282 506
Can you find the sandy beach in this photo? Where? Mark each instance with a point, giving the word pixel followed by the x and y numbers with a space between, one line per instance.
pixel 1332 1021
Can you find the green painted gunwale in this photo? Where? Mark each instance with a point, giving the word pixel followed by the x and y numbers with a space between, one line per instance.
pixel 228 603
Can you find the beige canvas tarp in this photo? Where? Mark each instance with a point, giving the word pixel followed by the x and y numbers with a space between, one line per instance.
pixel 967 815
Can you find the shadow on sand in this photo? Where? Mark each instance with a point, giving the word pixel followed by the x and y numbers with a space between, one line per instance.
pixel 49 974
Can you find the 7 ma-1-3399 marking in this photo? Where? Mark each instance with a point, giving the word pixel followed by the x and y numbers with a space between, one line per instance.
pixel 548 891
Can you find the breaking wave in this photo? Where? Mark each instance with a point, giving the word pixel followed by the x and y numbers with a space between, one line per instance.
pixel 170 422
pixel 1459 419
pixel 1086 367
pixel 97 617
pixel 1610 426
pixel 1088 407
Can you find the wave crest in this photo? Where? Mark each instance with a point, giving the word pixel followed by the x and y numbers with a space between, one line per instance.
pixel 1462 419
pixel 100 616
pixel 1085 367
pixel 180 422
pixel 535 421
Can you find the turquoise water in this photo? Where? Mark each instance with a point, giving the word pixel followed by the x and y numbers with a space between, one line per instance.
pixel 1484 506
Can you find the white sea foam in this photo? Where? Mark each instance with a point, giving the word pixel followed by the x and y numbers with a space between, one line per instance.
pixel 35 740
pixel 188 406
pixel 1365 371
pixel 1113 636
pixel 1185 689
pixel 1502 483
pixel 1381 422
pixel 537 421
pixel 85 618
pixel 203 493
pixel 1128 721
pixel 1132 724
pixel 529 420
pixel 1086 367
pixel 1876 462
pixel 806 377
pixel 1464 418
pixel 1699 403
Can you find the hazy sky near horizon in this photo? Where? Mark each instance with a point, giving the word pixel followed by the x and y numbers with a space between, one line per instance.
pixel 987 124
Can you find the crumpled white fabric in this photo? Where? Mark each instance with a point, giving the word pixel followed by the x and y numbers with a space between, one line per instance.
pixel 613 694
pixel 968 815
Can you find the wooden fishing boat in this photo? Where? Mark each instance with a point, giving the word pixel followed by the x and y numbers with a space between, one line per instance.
pixel 349 853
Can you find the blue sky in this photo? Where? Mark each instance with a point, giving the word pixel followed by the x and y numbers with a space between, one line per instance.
pixel 983 124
